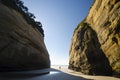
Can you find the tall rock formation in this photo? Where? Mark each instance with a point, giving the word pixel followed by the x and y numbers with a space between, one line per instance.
pixel 95 47
pixel 21 45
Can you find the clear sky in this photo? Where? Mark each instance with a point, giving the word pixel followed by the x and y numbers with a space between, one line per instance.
pixel 59 19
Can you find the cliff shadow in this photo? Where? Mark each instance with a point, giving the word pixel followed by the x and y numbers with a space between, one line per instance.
pixel 96 57
pixel 90 57
pixel 53 75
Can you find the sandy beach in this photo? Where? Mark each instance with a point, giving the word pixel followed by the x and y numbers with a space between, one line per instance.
pixel 71 72
pixel 39 75
pixel 55 73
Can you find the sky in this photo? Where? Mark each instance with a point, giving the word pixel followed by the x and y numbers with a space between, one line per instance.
pixel 59 19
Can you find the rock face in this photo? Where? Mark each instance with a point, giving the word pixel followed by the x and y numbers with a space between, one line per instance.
pixel 96 49
pixel 21 46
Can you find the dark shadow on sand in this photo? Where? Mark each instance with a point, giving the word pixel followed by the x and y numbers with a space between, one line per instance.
pixel 37 75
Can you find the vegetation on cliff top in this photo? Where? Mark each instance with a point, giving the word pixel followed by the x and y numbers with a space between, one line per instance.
pixel 80 24
pixel 18 5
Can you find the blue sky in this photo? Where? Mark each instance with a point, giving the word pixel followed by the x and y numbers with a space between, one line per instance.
pixel 59 19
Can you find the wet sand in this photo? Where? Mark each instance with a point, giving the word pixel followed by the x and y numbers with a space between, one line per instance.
pixel 55 73
pixel 71 72
pixel 39 75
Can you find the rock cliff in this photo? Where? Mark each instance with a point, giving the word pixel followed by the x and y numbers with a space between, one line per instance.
pixel 95 46
pixel 21 45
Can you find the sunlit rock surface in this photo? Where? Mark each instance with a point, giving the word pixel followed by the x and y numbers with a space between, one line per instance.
pixel 21 46
pixel 96 49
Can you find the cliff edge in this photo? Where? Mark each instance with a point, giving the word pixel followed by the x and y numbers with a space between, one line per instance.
pixel 95 46
pixel 21 45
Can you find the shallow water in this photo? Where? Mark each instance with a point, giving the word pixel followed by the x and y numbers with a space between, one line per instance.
pixel 53 72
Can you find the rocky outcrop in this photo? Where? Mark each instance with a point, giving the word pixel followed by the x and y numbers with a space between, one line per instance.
pixel 86 55
pixel 21 46
pixel 98 50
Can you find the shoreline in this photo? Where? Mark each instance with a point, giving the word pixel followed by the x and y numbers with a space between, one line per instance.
pixel 75 73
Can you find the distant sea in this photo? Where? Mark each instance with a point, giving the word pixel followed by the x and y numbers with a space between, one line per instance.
pixel 57 66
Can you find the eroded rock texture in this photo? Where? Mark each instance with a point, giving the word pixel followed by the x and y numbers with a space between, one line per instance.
pixel 21 46
pixel 99 44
